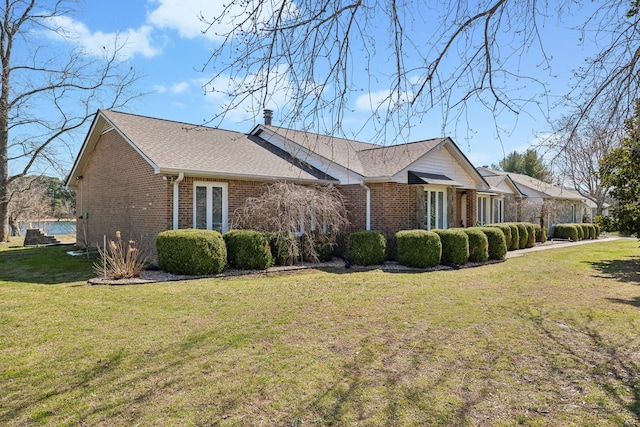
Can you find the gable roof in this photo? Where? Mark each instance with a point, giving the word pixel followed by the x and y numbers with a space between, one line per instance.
pixel 364 159
pixel 172 147
pixel 497 181
pixel 524 182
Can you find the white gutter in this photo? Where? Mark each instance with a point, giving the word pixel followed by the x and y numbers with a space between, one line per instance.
pixel 368 204
pixel 176 182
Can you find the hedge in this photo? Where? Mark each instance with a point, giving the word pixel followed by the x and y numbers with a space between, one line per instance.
pixel 515 236
pixel 566 231
pixel 478 244
pixel 531 234
pixel 418 248
pixel 506 231
pixel 455 246
pixel 191 251
pixel 248 250
pixel 366 247
pixel 497 242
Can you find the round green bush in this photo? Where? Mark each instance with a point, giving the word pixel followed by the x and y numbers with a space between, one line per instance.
pixel 478 244
pixel 455 246
pixel 506 231
pixel 366 247
pixel 531 234
pixel 418 248
pixel 515 236
pixel 192 252
pixel 566 231
pixel 580 231
pixel 248 250
pixel 497 242
pixel 585 231
pixel 523 235
pixel 597 230
pixel 284 247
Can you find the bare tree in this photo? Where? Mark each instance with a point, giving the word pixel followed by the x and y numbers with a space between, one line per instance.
pixel 47 94
pixel 319 213
pixel 577 157
pixel 28 201
pixel 425 55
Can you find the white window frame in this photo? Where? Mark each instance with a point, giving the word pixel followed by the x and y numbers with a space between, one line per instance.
pixel 483 216
pixel 225 203
pixel 499 213
pixel 428 207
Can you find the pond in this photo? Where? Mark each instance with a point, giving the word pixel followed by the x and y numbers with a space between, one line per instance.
pixel 51 227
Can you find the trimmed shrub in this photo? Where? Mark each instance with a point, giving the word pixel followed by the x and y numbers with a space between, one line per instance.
pixel 418 248
pixel 523 235
pixel 496 240
pixel 366 247
pixel 531 234
pixel 191 251
pixel 597 229
pixel 506 231
pixel 515 236
pixel 478 244
pixel 248 250
pixel 566 231
pixel 589 230
pixel 284 247
pixel 580 231
pixel 541 233
pixel 455 246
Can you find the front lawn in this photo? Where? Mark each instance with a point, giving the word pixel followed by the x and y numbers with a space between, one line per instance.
pixel 551 338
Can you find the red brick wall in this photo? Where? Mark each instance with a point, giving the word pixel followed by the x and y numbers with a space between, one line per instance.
pixel 120 192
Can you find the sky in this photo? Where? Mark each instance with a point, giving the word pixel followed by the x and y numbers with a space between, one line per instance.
pixel 165 42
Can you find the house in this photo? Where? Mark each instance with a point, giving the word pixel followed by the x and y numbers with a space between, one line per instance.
pixel 543 203
pixel 143 175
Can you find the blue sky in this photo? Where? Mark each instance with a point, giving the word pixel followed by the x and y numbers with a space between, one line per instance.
pixel 165 42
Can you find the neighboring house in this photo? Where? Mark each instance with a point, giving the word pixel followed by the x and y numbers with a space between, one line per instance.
pixel 502 204
pixel 143 175
pixel 543 203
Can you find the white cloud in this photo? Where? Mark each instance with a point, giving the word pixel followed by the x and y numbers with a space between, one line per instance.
pixel 184 16
pixel 129 43
pixel 379 100
pixel 178 88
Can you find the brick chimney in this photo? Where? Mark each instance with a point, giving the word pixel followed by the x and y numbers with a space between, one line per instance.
pixel 268 115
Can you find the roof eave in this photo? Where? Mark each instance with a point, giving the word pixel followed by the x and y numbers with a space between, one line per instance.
pixel 241 177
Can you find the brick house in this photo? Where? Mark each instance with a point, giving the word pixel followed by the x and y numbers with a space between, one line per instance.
pixel 145 175
pixel 543 203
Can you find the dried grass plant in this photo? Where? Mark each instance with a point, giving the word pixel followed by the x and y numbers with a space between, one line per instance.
pixel 119 260
pixel 318 211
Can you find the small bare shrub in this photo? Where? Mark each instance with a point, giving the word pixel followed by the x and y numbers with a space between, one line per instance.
pixel 120 261
pixel 318 212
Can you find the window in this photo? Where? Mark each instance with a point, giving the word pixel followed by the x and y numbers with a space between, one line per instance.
pixel 210 206
pixel 435 209
pixel 498 215
pixel 483 216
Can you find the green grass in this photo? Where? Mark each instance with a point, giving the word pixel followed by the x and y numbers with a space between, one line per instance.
pixel 547 339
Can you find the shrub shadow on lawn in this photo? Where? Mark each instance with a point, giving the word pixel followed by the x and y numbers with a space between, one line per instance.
pixel 48 265
pixel 626 271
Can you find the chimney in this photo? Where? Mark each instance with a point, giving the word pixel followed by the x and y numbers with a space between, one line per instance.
pixel 268 115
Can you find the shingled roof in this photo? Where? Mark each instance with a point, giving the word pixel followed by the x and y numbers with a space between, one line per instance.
pixel 363 158
pixel 172 147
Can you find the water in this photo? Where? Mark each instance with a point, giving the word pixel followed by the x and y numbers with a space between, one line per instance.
pixel 52 228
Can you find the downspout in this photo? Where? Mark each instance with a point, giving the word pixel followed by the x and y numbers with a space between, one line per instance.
pixel 176 182
pixel 368 204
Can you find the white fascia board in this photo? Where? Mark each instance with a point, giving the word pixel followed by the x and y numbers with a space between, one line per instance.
pixel 241 177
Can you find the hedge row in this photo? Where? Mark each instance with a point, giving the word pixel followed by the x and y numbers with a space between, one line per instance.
pixel 201 252
pixel 575 232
